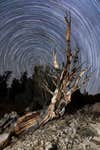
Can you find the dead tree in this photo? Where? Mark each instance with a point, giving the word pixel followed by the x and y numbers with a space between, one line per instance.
pixel 69 80
pixel 66 83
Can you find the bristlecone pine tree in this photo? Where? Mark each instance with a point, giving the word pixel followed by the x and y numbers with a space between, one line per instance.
pixel 67 81
pixel 70 78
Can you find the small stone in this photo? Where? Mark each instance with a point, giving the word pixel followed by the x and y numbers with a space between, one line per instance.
pixel 96 108
pixel 96 140
pixel 48 145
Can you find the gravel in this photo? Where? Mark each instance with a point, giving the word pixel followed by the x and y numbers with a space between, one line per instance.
pixel 78 131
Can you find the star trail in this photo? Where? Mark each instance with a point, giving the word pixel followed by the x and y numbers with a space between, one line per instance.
pixel 31 29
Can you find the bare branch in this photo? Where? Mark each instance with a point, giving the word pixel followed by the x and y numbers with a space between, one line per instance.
pixel 68 32
pixel 45 85
pixel 55 84
pixel 53 76
pixel 55 62
pixel 68 21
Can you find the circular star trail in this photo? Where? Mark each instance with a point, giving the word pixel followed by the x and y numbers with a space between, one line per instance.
pixel 31 29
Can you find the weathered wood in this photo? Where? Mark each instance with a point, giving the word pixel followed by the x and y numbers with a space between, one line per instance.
pixel 26 121
pixel 20 126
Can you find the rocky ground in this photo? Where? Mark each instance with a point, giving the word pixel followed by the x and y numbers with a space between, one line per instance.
pixel 78 131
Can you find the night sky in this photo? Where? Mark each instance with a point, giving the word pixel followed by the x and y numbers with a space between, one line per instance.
pixel 31 29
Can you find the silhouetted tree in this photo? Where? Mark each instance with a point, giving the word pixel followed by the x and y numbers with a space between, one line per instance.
pixel 4 79
pixel 15 89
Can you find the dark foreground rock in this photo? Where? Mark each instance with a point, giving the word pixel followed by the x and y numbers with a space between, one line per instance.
pixel 78 131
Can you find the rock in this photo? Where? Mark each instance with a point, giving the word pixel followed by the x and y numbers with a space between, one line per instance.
pixel 96 108
pixel 96 140
pixel 4 139
pixel 96 127
pixel 87 131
